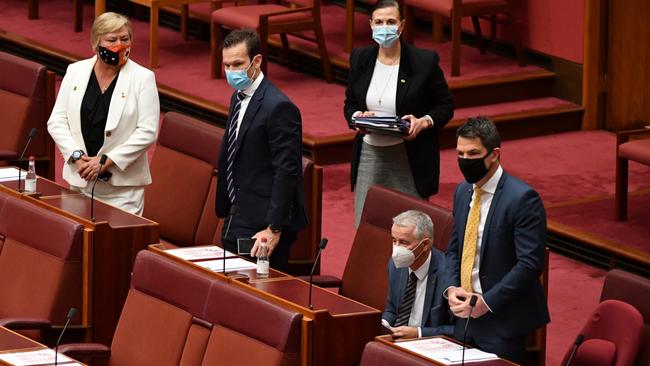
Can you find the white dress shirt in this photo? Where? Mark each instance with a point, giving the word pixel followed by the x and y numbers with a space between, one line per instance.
pixel 244 103
pixel 489 188
pixel 422 273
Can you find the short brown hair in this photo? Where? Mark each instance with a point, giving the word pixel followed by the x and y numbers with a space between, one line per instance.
pixel 246 36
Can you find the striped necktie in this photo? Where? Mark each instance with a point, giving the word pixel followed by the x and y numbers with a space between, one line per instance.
pixel 404 312
pixel 232 144
pixel 470 241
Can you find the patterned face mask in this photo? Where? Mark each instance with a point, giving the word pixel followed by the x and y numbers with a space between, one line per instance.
pixel 116 55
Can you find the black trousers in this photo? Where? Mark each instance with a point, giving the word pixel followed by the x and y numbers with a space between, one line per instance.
pixel 240 228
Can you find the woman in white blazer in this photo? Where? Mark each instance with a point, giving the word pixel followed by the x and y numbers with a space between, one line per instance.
pixel 107 105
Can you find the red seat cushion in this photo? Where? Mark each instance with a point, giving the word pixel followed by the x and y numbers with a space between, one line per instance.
pixel 595 352
pixel 444 6
pixel 637 150
pixel 248 16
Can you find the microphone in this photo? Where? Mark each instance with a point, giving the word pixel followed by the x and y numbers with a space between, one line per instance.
pixel 321 247
pixel 472 303
pixel 71 313
pixel 579 339
pixel 234 209
pixel 102 161
pixel 32 134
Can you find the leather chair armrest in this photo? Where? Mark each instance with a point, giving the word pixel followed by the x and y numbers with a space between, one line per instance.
pixel 25 323
pixel 7 155
pixel 324 281
pixel 85 350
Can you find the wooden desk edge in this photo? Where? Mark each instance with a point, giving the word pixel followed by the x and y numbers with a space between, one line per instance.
pixel 384 339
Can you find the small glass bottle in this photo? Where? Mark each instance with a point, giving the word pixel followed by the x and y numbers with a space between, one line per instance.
pixel 30 178
pixel 263 259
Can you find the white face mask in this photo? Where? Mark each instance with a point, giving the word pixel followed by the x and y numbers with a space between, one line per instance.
pixel 403 257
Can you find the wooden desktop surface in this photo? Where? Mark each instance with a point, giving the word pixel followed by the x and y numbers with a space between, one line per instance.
pixel 10 340
pixel 388 341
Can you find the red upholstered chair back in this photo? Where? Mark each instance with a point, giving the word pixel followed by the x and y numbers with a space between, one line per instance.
pixel 182 170
pixel 615 322
pixel 23 94
pixel 250 331
pixel 372 247
pixel 157 316
pixel 40 262
pixel 304 250
pixel 634 290
pixel 378 354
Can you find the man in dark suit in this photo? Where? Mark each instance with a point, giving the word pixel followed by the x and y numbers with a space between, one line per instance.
pixel 260 165
pixel 416 280
pixel 496 250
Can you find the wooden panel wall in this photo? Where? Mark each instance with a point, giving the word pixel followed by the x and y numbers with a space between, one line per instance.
pixel 628 64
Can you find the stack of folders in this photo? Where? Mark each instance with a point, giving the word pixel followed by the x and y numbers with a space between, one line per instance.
pixel 385 125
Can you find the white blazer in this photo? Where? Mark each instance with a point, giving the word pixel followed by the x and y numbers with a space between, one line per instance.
pixel 131 125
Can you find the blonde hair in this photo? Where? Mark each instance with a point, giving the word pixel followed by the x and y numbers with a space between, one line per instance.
pixel 108 23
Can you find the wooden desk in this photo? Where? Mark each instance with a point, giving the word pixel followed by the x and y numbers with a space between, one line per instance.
pixel 154 8
pixel 334 332
pixel 110 246
pixel 388 342
pixel 11 341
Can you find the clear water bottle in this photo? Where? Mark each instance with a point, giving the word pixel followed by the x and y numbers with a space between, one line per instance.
pixel 30 178
pixel 263 259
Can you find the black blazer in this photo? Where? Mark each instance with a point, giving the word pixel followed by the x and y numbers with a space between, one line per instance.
pixel 268 162
pixel 421 90
pixel 512 257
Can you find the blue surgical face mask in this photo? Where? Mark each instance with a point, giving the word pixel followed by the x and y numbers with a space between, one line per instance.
pixel 385 35
pixel 239 79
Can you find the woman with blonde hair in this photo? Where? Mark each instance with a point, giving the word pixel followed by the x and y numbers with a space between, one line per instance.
pixel 107 105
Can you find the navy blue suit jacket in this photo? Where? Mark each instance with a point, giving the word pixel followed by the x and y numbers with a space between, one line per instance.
pixel 511 258
pixel 436 319
pixel 268 162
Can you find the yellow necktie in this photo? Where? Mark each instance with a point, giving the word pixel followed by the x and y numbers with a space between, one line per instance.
pixel 469 244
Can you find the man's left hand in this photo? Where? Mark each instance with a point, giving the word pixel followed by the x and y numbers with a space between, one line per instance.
pixel 417 126
pixel 272 240
pixel 404 332
pixel 463 309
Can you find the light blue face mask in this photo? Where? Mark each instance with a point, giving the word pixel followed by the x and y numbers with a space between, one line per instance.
pixel 385 35
pixel 239 79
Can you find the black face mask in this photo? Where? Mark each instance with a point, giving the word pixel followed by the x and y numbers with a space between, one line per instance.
pixel 473 169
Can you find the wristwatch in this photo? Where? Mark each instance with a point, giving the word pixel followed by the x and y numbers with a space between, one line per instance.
pixel 76 155
pixel 275 229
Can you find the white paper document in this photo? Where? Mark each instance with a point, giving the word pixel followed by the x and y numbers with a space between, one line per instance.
pixel 199 253
pixel 9 174
pixel 43 356
pixel 444 351
pixel 232 264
